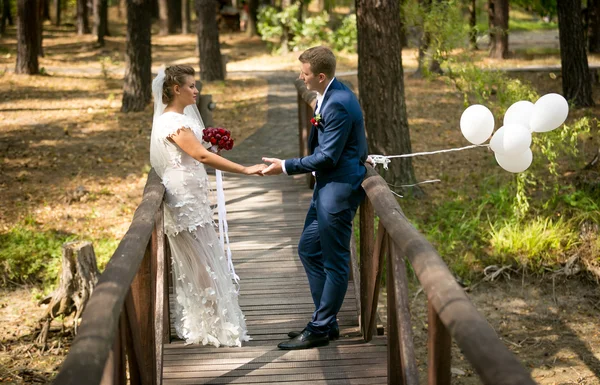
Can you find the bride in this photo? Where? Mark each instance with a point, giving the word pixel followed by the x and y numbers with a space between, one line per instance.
pixel 206 307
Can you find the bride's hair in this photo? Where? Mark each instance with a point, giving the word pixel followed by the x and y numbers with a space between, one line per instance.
pixel 174 75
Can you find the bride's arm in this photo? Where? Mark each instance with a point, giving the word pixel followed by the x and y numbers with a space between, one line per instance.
pixel 187 141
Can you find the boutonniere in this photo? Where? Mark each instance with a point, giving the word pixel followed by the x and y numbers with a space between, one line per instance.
pixel 316 120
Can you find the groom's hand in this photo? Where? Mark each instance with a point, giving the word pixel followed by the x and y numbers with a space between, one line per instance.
pixel 274 168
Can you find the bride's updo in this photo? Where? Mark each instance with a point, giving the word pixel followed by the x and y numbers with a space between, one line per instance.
pixel 174 75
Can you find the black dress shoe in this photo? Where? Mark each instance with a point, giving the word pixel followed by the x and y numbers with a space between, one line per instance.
pixel 305 340
pixel 334 333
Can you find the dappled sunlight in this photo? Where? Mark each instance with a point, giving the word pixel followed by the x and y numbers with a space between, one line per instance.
pixel 61 133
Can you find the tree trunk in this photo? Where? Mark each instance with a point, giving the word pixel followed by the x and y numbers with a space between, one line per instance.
pixel 402 32
pixel 286 33
pixel 40 30
pixel 57 12
pixel 576 79
pixel 251 29
pixel 174 15
pixel 594 26
pixel 46 10
pixel 498 20
pixel 100 20
pixel 77 281
pixel 211 67
pixel 381 85
pixel 185 17
pixel 83 24
pixel 27 37
pixel 137 88
pixel 473 24
pixel 424 41
pixel 6 16
pixel 163 17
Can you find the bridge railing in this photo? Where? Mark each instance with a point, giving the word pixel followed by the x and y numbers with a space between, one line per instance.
pixel 450 312
pixel 126 320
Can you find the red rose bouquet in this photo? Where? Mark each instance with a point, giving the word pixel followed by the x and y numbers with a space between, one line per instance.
pixel 219 137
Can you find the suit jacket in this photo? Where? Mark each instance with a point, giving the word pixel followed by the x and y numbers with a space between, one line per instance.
pixel 339 150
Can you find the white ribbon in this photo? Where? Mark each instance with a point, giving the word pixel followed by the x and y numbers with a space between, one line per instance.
pixel 223 228
pixel 385 159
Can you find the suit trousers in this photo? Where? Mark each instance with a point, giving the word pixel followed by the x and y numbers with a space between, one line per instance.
pixel 324 250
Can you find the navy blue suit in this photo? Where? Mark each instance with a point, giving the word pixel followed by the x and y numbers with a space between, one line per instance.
pixel 339 149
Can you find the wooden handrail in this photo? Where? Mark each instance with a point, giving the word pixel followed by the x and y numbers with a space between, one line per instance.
pixel 475 337
pixel 98 336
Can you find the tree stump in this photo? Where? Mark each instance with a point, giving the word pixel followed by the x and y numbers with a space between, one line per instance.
pixel 78 278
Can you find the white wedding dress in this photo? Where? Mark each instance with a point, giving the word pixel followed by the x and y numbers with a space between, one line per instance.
pixel 206 308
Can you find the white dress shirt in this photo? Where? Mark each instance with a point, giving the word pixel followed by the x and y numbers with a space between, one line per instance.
pixel 317 111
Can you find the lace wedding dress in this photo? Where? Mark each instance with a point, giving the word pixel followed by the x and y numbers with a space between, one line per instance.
pixel 206 307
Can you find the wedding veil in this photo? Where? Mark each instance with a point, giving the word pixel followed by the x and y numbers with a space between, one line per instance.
pixel 158 159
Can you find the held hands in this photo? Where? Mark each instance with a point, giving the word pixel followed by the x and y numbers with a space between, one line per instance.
pixel 257 169
pixel 274 168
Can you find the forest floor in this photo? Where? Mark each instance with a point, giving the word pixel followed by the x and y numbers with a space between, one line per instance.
pixel 72 164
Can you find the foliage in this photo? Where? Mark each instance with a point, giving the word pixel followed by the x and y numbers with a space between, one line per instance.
pixel 315 30
pixel 345 37
pixel 544 8
pixel 29 254
pixel 442 20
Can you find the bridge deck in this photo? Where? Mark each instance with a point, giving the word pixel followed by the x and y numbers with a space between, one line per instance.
pixel 265 218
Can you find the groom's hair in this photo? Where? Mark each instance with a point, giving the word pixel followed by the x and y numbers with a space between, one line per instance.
pixel 174 75
pixel 321 60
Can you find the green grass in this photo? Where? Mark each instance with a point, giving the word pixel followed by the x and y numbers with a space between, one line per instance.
pixel 530 25
pixel 29 254
pixel 518 20
pixel 474 230
pixel 534 243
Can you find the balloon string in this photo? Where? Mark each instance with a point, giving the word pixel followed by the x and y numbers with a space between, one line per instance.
pixel 385 159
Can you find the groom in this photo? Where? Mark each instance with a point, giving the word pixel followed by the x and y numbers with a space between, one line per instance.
pixel 339 149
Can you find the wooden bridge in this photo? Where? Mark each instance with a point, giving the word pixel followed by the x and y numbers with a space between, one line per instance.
pixel 125 334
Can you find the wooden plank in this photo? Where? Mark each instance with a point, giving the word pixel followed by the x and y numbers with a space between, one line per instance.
pixel 348 381
pixel 233 361
pixel 280 376
pixel 439 350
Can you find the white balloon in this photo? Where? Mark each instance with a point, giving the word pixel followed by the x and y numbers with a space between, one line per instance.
pixel 511 139
pixel 516 162
pixel 477 123
pixel 549 112
pixel 519 113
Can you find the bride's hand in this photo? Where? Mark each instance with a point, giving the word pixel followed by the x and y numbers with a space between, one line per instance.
pixel 255 170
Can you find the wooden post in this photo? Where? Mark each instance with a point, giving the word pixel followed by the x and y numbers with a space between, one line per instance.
pixel 161 294
pixel 374 282
pixel 141 318
pixel 394 360
pixel 355 273
pixel 439 344
pixel 116 369
pixel 367 224
pixel 404 326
